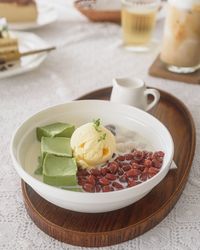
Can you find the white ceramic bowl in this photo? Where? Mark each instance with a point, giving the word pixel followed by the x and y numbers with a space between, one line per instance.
pixel 25 149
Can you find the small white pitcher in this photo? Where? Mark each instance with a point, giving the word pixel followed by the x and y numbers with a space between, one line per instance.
pixel 132 91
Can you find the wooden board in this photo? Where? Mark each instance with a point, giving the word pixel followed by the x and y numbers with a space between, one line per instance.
pixel 97 15
pixel 103 229
pixel 158 69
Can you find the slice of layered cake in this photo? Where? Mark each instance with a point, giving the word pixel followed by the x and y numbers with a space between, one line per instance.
pixel 8 45
pixel 18 10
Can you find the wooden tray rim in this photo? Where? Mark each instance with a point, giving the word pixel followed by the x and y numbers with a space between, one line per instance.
pixel 99 15
pixel 93 10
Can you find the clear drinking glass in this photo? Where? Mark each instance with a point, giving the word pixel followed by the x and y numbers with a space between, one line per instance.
pixel 138 23
pixel 181 43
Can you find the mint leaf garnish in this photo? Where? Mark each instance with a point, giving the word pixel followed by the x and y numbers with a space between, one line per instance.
pixel 97 124
pixel 102 137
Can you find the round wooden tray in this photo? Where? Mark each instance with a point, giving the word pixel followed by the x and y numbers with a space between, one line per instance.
pixel 103 229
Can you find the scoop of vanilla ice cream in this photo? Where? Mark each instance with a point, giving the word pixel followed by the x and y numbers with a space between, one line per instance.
pixel 92 145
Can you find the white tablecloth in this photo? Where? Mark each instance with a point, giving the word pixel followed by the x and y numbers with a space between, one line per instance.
pixel 89 61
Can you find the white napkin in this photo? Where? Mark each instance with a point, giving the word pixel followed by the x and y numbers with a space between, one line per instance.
pixel 111 5
pixel 173 165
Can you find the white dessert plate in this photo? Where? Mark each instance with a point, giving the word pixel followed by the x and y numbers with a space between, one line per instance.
pixel 47 14
pixel 25 150
pixel 27 41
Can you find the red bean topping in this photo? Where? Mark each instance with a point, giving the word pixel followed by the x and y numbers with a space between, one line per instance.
pixel 134 165
pixel 103 171
pixel 126 167
pixel 160 159
pixel 141 167
pixel 130 169
pixel 121 158
pixel 133 177
pixel 79 173
pixel 145 153
pixel 91 179
pixel 158 155
pixel 111 177
pixel 88 188
pixel 103 181
pixel 150 175
pixel 138 155
pixel 143 176
pixel 149 155
pixel 117 185
pixel 145 171
pixel 132 183
pixel 156 163
pixel 95 172
pixel 120 171
pixel 161 154
pixel 153 170
pixel 113 167
pixel 107 189
pixel 129 157
pixel 81 181
pixel 81 177
pixel 148 163
pixel 83 172
pixel 133 172
pixel 98 188
pixel 123 178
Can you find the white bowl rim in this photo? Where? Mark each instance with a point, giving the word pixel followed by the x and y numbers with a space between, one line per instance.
pixel 88 194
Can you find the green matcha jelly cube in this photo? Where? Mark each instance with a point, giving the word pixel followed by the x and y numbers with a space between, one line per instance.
pixel 56 129
pixel 59 171
pixel 39 169
pixel 56 145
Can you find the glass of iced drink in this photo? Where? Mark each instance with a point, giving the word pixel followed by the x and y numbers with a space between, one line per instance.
pixel 138 22
pixel 181 43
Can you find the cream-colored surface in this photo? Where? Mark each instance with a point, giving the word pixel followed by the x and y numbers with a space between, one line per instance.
pixel 18 13
pixel 92 146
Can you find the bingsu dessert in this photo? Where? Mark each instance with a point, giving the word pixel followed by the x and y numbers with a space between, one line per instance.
pixel 94 158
